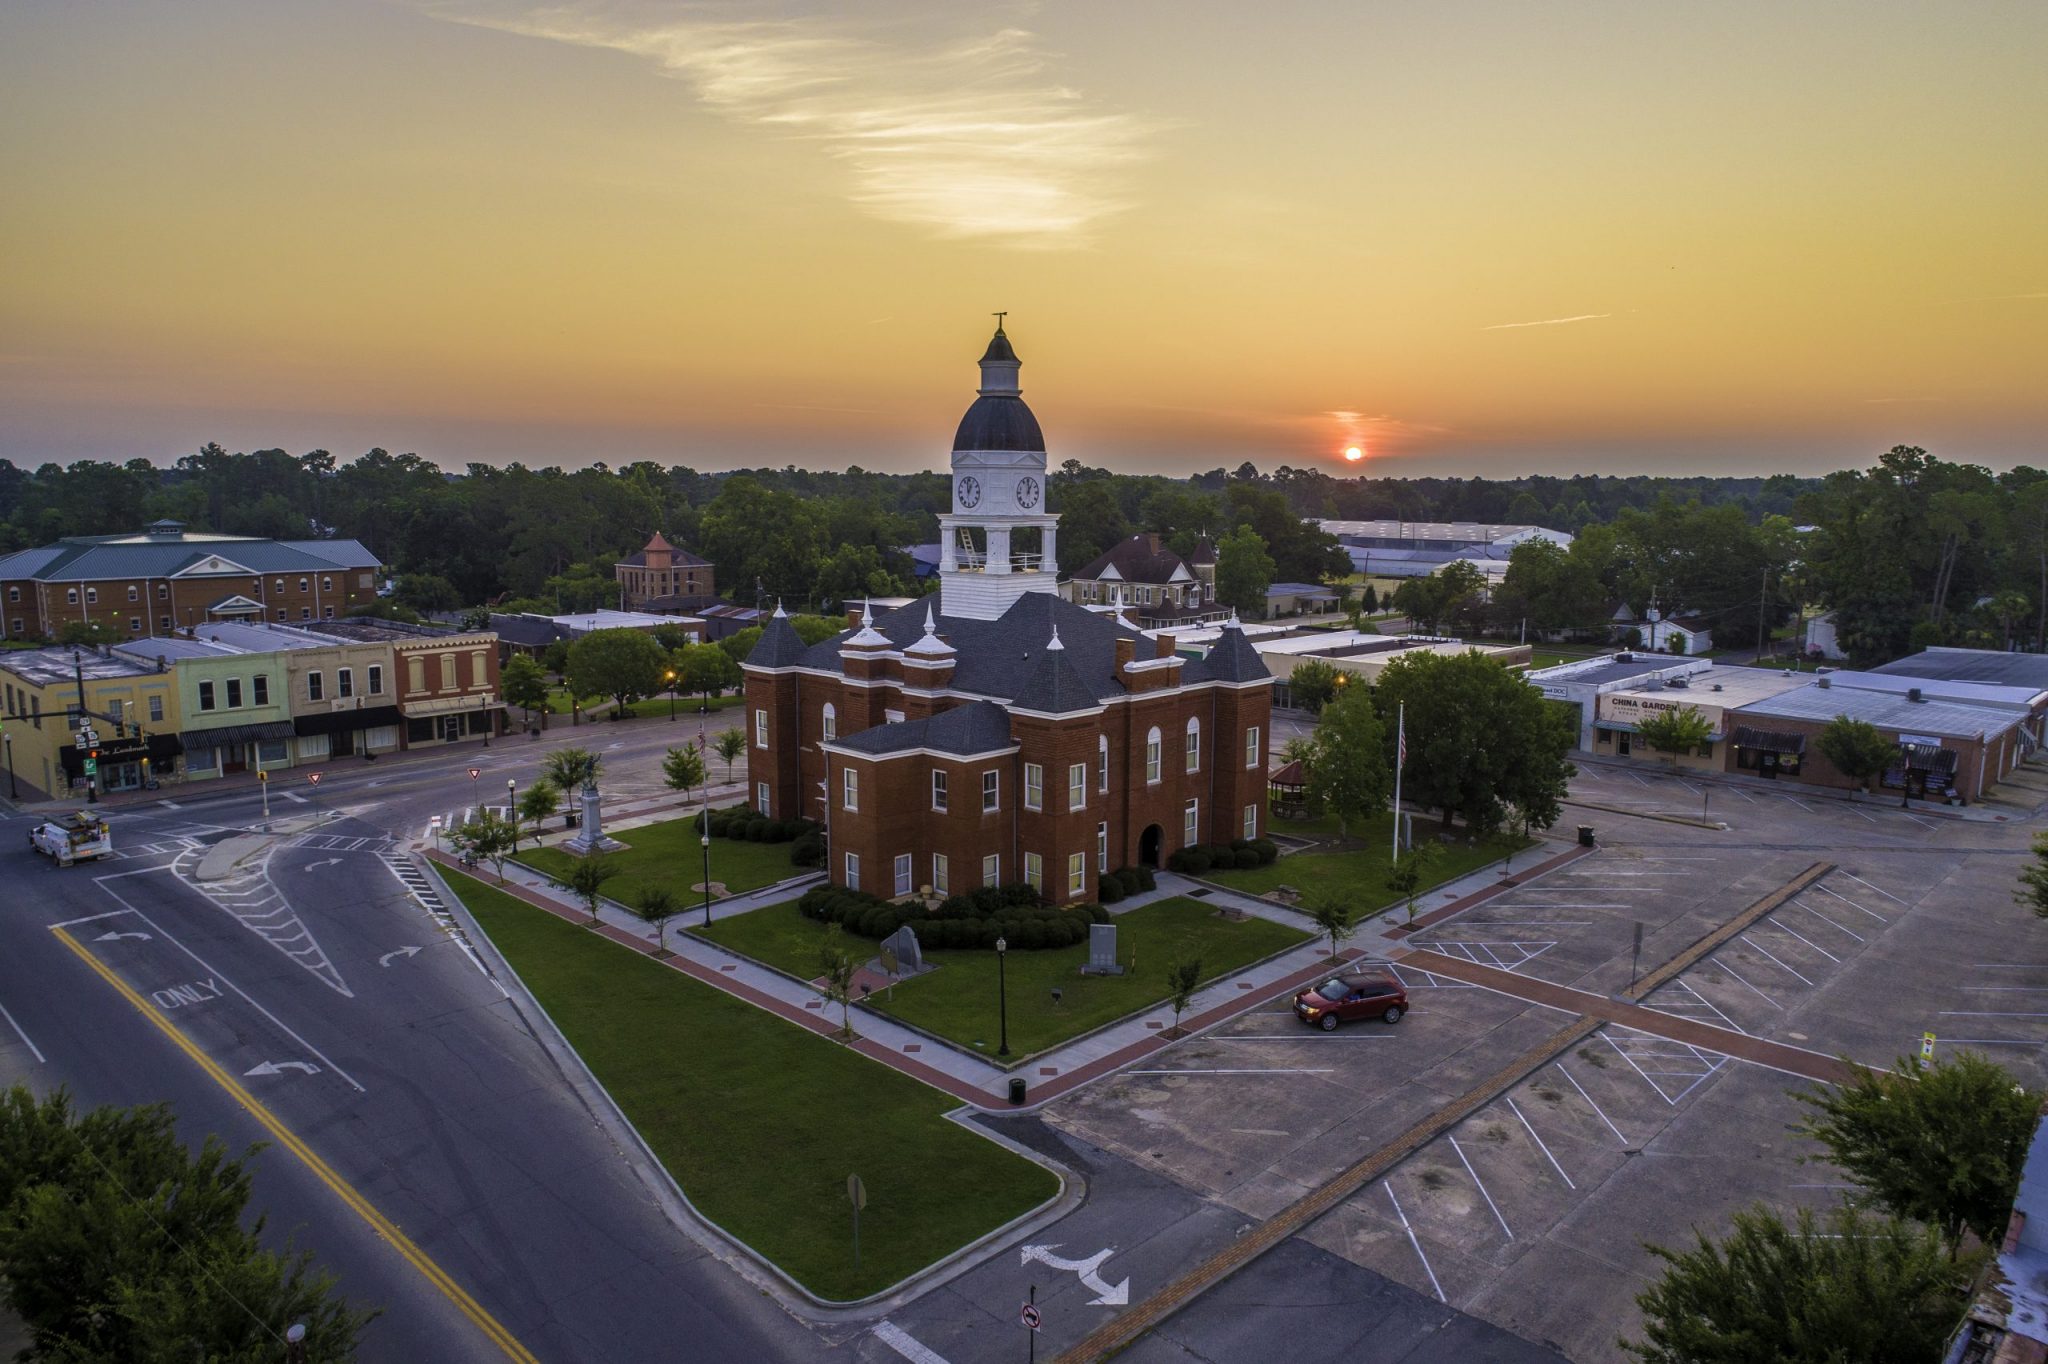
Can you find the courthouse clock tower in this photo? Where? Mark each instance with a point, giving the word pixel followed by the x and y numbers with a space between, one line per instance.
pixel 999 487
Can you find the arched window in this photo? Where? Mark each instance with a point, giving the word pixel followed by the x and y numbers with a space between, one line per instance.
pixel 1102 761
pixel 1194 745
pixel 831 722
pixel 1152 756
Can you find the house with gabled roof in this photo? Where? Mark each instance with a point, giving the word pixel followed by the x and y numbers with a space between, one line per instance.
pixel 997 732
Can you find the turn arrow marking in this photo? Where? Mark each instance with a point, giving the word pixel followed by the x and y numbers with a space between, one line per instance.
pixel 280 1067
pixel 117 936
pixel 329 862
pixel 406 951
pixel 1106 1294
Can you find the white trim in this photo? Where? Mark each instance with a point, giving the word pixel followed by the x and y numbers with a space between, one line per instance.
pixel 844 752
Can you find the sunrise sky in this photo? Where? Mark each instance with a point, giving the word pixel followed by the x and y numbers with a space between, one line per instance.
pixel 1493 238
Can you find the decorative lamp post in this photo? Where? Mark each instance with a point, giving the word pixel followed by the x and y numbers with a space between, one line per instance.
pixel 511 799
pixel 704 838
pixel 1002 1001
pixel 671 675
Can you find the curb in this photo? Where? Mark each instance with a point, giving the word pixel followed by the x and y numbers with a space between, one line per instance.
pixel 1687 820
pixel 757 1268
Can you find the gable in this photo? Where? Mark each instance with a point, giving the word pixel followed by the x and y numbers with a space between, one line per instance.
pixel 213 565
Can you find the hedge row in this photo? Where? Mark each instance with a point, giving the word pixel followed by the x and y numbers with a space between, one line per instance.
pixel 1241 855
pixel 1126 881
pixel 1026 927
pixel 744 823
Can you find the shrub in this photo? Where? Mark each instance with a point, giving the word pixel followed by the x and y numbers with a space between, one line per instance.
pixel 1246 858
pixel 1111 890
pixel 1147 879
pixel 1189 861
pixel 807 851
pixel 1029 935
pixel 1268 851
pixel 756 830
pixel 1220 854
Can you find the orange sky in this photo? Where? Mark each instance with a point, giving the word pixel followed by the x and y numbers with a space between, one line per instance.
pixel 1474 238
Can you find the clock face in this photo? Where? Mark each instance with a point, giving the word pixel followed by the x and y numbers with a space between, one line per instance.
pixel 1027 493
pixel 969 491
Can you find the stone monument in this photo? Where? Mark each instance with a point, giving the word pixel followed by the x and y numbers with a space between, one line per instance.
pixel 1102 951
pixel 590 837
pixel 903 946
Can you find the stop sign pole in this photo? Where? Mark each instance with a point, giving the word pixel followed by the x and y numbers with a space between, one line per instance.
pixel 1028 1314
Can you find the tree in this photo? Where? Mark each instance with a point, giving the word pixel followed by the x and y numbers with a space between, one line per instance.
pixel 1856 748
pixel 1334 914
pixel 93 632
pixel 1348 771
pixel 705 668
pixel 730 743
pixel 835 973
pixel 1312 683
pixel 2034 876
pixel 488 838
pixel 537 803
pixel 1244 570
pixel 524 684
pixel 1480 740
pixel 1182 976
pixel 1676 730
pixel 1852 1287
pixel 1409 872
pixel 121 1244
pixel 1942 1143
pixel 587 879
pixel 571 768
pixel 622 664
pixel 657 906
pixel 682 768
pixel 1369 604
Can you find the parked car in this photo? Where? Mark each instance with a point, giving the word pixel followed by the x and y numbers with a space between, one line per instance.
pixel 1351 997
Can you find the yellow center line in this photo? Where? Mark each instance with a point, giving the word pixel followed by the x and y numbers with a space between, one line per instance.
pixel 379 1223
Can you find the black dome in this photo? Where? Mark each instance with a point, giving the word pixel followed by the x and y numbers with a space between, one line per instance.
pixel 999 422
pixel 998 348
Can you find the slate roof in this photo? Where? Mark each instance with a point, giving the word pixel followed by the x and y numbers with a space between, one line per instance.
pixel 999 421
pixel 997 657
pixel 1053 687
pixel 677 558
pixel 977 727
pixel 1140 559
pixel 780 646
pixel 91 558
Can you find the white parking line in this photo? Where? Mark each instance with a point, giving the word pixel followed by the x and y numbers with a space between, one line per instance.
pixel 1800 803
pixel 1305 1035
pixel 1860 815
pixel 1985 1042
pixel 1851 903
pixel 1539 1144
pixel 1481 1185
pixel 1751 988
pixel 1596 1107
pixel 1710 1004
pixel 1752 942
pixel 1826 920
pixel 2009 966
pixel 1792 932
pixel 1982 1013
pixel 22 1035
pixel 1861 882
pixel 1327 1070
pixel 1413 1242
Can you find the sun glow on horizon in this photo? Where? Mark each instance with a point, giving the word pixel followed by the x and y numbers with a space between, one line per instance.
pixel 1353 453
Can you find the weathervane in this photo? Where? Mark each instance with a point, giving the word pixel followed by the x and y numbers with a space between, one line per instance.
pixel 999 318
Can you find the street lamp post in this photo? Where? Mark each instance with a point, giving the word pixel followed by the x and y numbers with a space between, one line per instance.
pixel 7 740
pixel 1002 1001
pixel 671 695
pixel 511 799
pixel 704 838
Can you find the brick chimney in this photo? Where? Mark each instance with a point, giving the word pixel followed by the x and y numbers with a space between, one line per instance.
pixel 1126 651
pixel 1162 646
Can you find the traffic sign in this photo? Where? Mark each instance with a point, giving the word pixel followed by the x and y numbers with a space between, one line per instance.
pixel 856 1191
pixel 436 822
pixel 1927 1046
pixel 313 777
pixel 1028 1314
pixel 475 772
pixel 92 766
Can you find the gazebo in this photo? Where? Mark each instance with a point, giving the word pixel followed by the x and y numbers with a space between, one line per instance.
pixel 1287 790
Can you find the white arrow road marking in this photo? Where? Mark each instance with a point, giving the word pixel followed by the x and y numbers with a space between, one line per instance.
pixel 1106 1295
pixel 280 1067
pixel 406 951
pixel 114 937
pixel 327 862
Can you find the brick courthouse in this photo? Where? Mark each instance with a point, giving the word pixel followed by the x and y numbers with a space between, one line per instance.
pixel 996 733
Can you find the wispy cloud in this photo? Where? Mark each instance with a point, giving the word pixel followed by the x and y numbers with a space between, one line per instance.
pixel 967 137
pixel 1546 322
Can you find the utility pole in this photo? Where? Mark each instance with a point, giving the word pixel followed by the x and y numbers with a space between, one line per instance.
pixel 1762 604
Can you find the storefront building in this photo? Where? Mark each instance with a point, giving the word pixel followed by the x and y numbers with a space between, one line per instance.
pixel 135 710
pixel 234 705
pixel 1711 692
pixel 446 681
pixel 1947 750
pixel 1580 685
pixel 341 692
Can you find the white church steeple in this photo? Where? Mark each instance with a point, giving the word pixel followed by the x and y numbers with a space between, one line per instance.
pixel 999 488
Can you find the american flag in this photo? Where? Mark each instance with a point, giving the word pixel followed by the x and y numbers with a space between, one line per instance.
pixel 1401 745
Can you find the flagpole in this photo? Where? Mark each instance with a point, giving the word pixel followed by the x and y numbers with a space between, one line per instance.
pixel 1400 756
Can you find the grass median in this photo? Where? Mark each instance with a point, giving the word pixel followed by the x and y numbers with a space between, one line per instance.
pixel 761 1121
pixel 958 1001
pixel 669 854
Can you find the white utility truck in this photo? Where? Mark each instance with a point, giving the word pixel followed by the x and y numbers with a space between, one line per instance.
pixel 81 837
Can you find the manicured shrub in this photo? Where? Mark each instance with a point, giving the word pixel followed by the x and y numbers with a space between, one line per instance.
pixel 1268 850
pixel 1246 858
pixel 1111 890
pixel 755 830
pixel 1147 879
pixel 1029 936
pixel 808 851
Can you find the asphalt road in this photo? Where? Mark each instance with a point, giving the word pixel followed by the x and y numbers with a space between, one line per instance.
pixel 413 1077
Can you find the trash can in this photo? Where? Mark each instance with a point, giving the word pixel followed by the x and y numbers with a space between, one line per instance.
pixel 1016 1089
pixel 1585 835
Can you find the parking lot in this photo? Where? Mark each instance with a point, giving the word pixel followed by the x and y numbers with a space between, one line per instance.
pixel 1532 1212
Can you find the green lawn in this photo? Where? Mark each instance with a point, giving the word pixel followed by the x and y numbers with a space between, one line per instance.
pixel 669 854
pixel 958 1001
pixel 760 1121
pixel 1361 873
pixel 687 704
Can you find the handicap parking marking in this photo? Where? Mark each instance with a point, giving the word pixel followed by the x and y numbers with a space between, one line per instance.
pixel 1671 1060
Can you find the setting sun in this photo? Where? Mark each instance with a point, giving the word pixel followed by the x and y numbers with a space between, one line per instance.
pixel 1353 453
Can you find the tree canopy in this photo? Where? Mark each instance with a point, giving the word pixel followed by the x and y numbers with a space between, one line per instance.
pixel 623 664
pixel 1675 730
pixel 1244 570
pixel 1856 748
pixel 1348 770
pixel 1480 740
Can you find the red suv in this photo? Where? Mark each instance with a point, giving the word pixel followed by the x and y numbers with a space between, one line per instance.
pixel 1355 995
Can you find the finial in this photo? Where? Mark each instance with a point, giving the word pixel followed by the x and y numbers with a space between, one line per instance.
pixel 999 320
pixel 1056 639
pixel 1232 623
pixel 930 626
pixel 867 616
pixel 780 614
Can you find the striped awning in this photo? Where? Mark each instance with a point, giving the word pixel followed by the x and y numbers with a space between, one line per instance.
pixel 236 734
pixel 1928 758
pixel 1770 740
